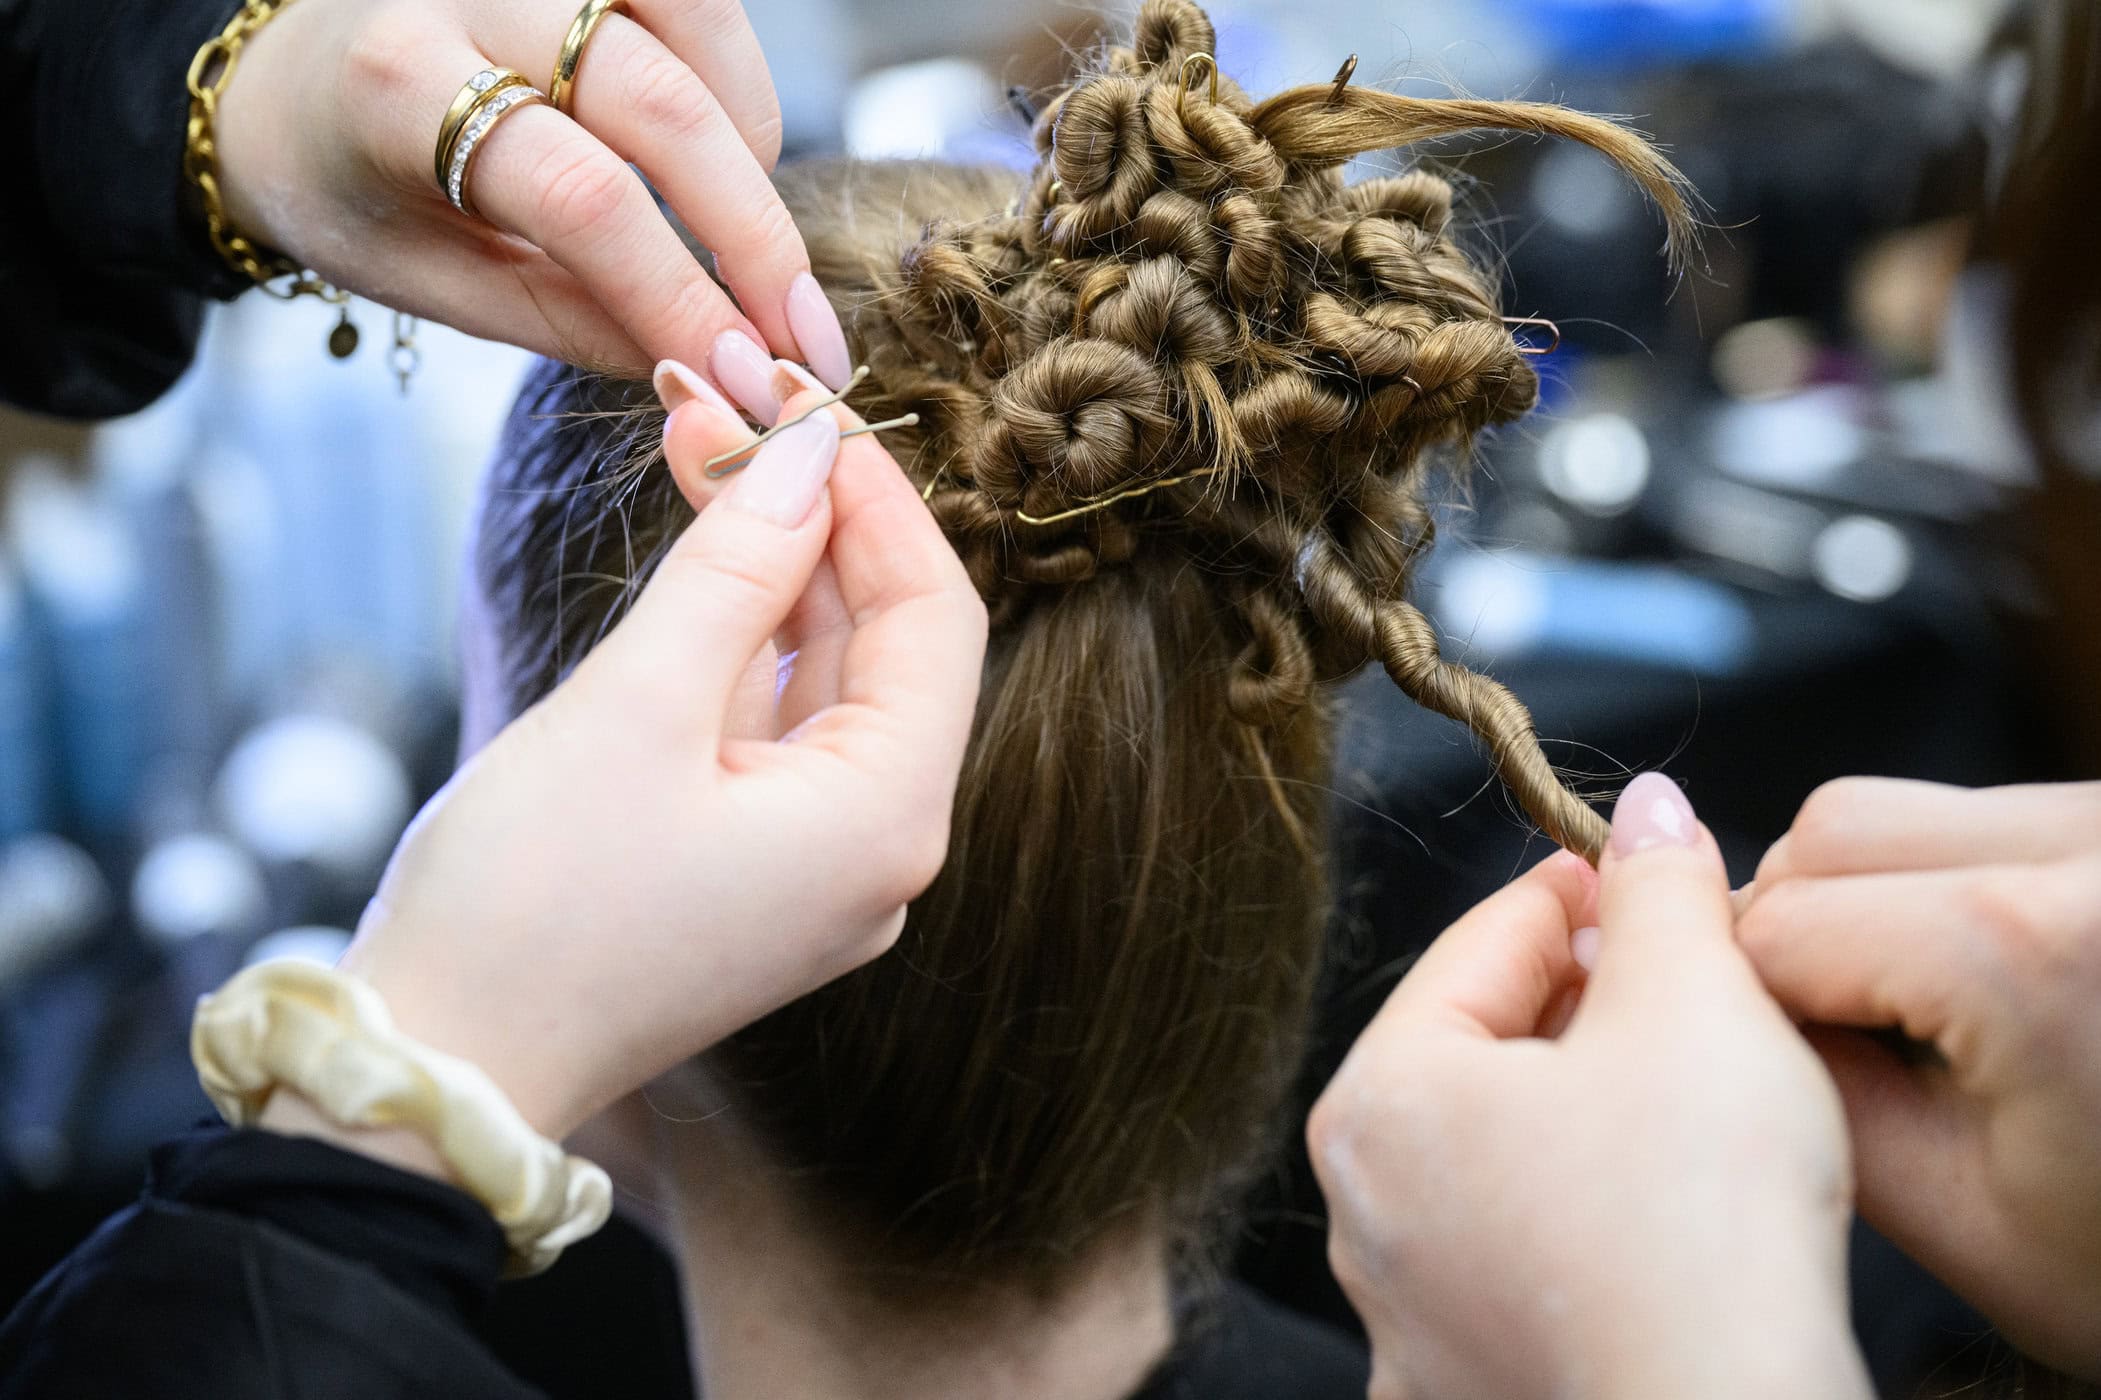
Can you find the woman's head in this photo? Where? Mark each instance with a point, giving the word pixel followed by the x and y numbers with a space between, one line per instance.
pixel 1177 391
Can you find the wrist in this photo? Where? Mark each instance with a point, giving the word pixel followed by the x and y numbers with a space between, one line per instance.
pixel 1797 1342
pixel 289 1114
pixel 533 1070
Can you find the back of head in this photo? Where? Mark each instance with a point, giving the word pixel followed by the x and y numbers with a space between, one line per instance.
pixel 1177 391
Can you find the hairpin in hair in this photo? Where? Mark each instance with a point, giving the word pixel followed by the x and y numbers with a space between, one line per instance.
pixel 1523 349
pixel 724 463
pixel 1182 82
pixel 1342 80
pixel 1093 504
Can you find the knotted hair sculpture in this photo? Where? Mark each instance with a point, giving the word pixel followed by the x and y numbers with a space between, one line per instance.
pixel 1189 335
pixel 1179 388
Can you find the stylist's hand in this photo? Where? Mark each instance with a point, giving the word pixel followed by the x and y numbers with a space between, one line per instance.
pixel 1971 920
pixel 329 126
pixel 1652 1202
pixel 661 851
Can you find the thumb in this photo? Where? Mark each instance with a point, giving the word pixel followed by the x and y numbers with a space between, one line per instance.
pixel 1664 913
pixel 730 580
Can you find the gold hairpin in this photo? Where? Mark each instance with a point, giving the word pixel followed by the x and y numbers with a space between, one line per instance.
pixel 1342 80
pixel 1096 503
pixel 1524 349
pixel 1182 89
pixel 726 463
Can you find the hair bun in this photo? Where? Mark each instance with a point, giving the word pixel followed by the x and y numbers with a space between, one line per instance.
pixel 1190 335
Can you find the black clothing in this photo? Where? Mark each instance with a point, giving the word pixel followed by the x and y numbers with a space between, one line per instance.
pixel 104 263
pixel 259 1267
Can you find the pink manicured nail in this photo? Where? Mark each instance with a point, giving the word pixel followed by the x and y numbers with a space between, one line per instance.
pixel 746 372
pixel 817 332
pixel 790 379
pixel 786 476
pixel 677 384
pixel 1583 947
pixel 1652 812
pixel 725 424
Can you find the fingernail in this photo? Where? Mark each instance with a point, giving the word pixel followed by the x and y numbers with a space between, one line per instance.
pixel 1652 812
pixel 677 385
pixel 746 372
pixel 724 424
pixel 785 476
pixel 1583 947
pixel 790 379
pixel 817 332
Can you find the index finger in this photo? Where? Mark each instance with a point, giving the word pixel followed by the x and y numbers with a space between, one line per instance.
pixel 1495 972
pixel 1860 826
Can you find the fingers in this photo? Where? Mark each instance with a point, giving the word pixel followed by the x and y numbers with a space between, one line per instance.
pixel 731 578
pixel 811 642
pixel 548 180
pixel 909 673
pixel 1908 950
pixel 1861 825
pixel 1499 971
pixel 716 41
pixel 1914 1153
pixel 645 103
pixel 1664 911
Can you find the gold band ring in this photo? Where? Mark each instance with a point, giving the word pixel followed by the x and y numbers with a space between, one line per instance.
pixel 562 90
pixel 489 97
pixel 475 91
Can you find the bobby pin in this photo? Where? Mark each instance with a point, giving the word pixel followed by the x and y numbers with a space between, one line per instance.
pixel 1104 502
pixel 724 463
pixel 1342 80
pixel 1524 349
pixel 1182 89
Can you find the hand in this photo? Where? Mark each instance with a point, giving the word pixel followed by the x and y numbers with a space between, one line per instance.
pixel 328 128
pixel 660 852
pixel 1972 921
pixel 1653 1201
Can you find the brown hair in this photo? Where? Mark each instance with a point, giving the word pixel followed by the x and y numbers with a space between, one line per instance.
pixel 1178 393
pixel 2040 228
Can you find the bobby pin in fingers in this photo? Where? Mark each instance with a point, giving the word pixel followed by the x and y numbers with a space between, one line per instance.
pixel 724 463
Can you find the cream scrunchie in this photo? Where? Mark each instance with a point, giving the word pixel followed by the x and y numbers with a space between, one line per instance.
pixel 327 1035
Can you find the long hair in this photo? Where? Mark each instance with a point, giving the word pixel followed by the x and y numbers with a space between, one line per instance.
pixel 1178 390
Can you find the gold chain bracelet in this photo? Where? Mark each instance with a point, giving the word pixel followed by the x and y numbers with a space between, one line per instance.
pixel 210 72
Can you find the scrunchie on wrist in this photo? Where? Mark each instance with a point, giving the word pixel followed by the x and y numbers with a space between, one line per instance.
pixel 328 1036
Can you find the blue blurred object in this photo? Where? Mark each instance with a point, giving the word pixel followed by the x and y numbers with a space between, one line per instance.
pixel 1620 35
pixel 88 591
pixel 25 769
pixel 1508 605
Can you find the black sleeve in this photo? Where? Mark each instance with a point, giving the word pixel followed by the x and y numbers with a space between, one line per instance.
pixel 260 1267
pixel 104 263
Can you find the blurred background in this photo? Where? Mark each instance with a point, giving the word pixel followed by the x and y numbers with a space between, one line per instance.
pixel 1772 524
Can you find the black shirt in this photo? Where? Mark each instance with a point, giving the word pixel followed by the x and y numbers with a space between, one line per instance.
pixel 104 263
pixel 261 1266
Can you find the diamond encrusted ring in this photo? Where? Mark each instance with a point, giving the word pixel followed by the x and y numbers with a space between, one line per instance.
pixel 488 97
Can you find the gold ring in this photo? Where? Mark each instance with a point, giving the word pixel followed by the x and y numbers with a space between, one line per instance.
pixel 488 98
pixel 563 88
pixel 475 91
